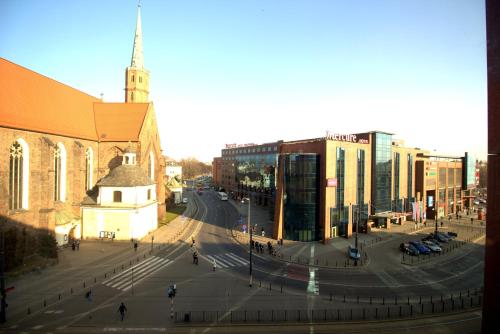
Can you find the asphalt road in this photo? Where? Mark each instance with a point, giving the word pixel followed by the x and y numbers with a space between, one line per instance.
pixel 276 285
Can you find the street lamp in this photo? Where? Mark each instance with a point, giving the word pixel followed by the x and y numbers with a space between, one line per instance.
pixel 249 227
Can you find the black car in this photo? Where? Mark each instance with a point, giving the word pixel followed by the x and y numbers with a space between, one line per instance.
pixel 409 249
pixel 452 234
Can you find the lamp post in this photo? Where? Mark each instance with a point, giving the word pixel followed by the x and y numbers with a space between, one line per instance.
pixel 249 227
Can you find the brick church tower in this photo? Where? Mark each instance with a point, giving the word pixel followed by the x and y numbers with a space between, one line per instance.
pixel 136 76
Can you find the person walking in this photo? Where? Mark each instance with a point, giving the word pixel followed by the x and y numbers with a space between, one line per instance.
pixel 135 246
pixel 77 244
pixel 214 265
pixel 73 246
pixel 122 309
pixel 88 295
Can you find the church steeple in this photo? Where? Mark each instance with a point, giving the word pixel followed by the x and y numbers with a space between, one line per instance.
pixel 136 76
pixel 137 55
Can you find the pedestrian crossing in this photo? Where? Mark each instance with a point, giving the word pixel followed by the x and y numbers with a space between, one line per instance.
pixel 228 260
pixel 128 278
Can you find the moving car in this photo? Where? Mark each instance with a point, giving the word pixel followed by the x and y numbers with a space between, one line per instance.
pixel 184 200
pixel 354 253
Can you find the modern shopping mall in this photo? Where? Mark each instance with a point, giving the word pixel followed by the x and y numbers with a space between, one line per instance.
pixel 323 188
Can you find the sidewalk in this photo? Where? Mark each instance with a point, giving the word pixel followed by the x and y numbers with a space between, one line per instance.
pixel 333 254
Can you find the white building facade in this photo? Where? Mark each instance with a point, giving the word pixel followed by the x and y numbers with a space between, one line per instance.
pixel 125 206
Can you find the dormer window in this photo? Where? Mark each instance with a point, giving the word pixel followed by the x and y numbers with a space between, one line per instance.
pixel 132 78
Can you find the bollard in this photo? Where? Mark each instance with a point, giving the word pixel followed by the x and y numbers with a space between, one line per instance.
pixel 59 297
pixel 71 290
pixel 114 270
pixel 95 279
pixel 357 299
pixel 105 275
pixel 411 310
pixel 408 300
pixel 396 300
pixel 269 286
pixel 344 298
pixel 338 314
pixel 376 312
pixel 432 307
pixel 388 312
pixel 260 283
pixel 281 288
pixel 400 311
pixel 370 300
pixel 383 300
pixel 363 313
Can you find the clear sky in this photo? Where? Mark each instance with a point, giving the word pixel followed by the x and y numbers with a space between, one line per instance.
pixel 241 71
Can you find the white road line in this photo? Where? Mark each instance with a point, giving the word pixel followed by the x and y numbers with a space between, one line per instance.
pixel 139 275
pixel 223 260
pixel 37 327
pixel 142 263
pixel 219 264
pixel 125 275
pixel 237 258
pixel 151 273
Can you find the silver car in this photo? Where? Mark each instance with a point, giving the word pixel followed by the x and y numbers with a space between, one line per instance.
pixel 432 246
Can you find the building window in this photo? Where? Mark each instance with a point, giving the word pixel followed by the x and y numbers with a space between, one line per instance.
pixel 409 190
pixel 117 196
pixel 59 172
pixel 149 194
pixel 397 205
pixel 151 166
pixel 17 175
pixel 360 196
pixel 132 78
pixel 89 161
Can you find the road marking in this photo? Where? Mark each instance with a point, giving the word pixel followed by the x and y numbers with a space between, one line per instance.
pixel 37 327
pixel 133 329
pixel 228 260
pixel 312 285
pixel 126 279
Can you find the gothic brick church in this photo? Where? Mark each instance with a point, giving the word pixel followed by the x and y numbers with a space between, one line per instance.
pixel 57 142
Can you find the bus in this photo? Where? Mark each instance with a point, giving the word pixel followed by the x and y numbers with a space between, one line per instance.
pixel 222 196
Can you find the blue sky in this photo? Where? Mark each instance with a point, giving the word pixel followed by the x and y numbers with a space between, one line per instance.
pixel 240 71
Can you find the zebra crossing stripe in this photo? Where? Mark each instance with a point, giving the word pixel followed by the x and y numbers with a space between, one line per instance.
pixel 129 269
pixel 123 281
pixel 137 274
pixel 136 269
pixel 237 258
pixel 223 263
pixel 164 264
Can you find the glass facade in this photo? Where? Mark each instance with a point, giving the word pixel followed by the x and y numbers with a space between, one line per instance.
pixel 255 176
pixel 397 203
pixel 301 197
pixel 360 210
pixel 381 172
pixel 340 213
pixel 409 189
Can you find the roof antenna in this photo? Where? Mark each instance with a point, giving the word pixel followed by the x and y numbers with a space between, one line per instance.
pixel 102 96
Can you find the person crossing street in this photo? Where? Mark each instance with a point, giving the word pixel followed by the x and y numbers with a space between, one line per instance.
pixel 122 309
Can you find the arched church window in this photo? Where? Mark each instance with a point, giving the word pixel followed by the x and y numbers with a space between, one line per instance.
pixel 89 161
pixel 132 96
pixel 132 78
pixel 16 176
pixel 117 196
pixel 151 166
pixel 59 172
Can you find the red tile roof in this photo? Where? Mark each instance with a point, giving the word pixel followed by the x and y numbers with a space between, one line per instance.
pixel 119 121
pixel 31 101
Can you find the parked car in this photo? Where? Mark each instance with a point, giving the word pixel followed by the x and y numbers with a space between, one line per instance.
pixel 441 237
pixel 452 234
pixel 421 247
pixel 353 253
pixel 409 249
pixel 432 246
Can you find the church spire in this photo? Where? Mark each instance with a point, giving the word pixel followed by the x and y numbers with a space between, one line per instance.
pixel 137 54
pixel 136 76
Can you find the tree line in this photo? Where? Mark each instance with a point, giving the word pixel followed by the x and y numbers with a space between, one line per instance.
pixel 191 167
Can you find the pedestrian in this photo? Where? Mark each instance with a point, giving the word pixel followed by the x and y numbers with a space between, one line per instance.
pixel 78 244
pixel 88 295
pixel 195 257
pixel 122 309
pixel 214 265
pixel 471 220
pixel 73 246
pixel 262 231
pixel 135 246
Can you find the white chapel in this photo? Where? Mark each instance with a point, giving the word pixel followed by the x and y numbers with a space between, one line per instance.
pixel 124 206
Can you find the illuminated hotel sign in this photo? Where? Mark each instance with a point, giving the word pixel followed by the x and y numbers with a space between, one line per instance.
pixel 360 138
pixel 239 145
